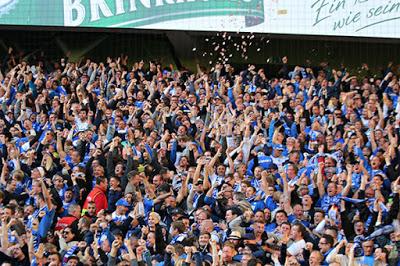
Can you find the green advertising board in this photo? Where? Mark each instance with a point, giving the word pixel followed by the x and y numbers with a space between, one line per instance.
pixel 356 18
pixel 124 13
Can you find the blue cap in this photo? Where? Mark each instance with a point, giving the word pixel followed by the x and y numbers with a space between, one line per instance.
pixel 279 147
pixel 122 202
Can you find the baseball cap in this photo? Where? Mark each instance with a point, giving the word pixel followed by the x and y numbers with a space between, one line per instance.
pixel 235 235
pixel 177 211
pixel 122 202
pixel 279 147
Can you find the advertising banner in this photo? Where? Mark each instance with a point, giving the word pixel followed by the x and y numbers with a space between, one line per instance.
pixel 358 18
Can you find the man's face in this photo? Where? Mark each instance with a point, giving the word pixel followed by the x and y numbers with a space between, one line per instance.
pixel 12 186
pixel 58 182
pixel 17 253
pixel 114 183
pixel 170 202
pixel 53 260
pixel 6 214
pixel 104 184
pixel 258 228
pixel 136 180
pixel 298 211
pixel 157 180
pixel 315 259
pixel 249 192
pixel 229 216
pixel 221 170
pixel 323 245
pixel 67 234
pixel 227 254
pixel 91 209
pixel 75 157
pixel 331 189
pixel 68 196
pixel 280 218
pixel 73 262
pixel 257 172
pixel 77 212
pixel 98 171
pixel 368 248
pixel 318 217
pixel 294 232
pixel 119 169
pixel 359 228
pixel 121 210
pixel 199 188
pixel 306 200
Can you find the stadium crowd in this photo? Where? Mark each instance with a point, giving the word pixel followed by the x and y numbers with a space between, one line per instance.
pixel 110 164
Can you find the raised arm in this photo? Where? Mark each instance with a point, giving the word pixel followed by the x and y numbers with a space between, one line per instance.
pixel 347 188
pixel 320 180
pixel 46 195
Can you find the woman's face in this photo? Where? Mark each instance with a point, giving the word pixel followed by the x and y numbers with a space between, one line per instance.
pixel 153 220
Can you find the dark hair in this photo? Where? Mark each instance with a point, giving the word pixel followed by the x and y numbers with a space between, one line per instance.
pixel 320 211
pixel 301 227
pixel 12 207
pixel 281 211
pixel 179 225
pixel 239 196
pixel 100 180
pixel 205 233
pixel 329 239
pixel 333 228
pixel 287 223
pixel 235 210
pixel 132 173
pixel 55 253
pixel 254 262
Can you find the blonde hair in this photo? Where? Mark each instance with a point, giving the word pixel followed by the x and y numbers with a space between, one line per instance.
pixel 155 216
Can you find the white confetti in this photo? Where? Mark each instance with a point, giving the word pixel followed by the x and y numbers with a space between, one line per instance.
pixel 258 49
pixel 210 62
pixel 194 49
pixel 206 39
pixel 216 48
